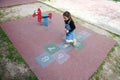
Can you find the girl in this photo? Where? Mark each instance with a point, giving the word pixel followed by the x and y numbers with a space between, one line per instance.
pixel 69 29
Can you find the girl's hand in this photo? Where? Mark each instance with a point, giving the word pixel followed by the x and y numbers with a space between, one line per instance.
pixel 66 30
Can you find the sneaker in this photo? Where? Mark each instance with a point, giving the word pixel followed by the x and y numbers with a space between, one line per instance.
pixel 66 45
pixel 74 42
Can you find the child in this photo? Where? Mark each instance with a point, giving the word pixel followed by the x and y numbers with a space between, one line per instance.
pixel 69 29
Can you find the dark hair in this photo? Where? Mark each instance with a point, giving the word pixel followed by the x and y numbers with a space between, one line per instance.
pixel 67 14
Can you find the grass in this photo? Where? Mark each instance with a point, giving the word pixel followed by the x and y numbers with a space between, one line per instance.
pixel 114 34
pixel 117 0
pixel 1 15
pixel 96 75
pixel 116 67
pixel 1 56
pixel 31 77
pixel 13 55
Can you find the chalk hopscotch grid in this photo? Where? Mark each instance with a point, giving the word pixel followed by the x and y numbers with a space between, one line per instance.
pixel 58 53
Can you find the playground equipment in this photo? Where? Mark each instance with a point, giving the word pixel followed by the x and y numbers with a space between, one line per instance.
pixel 45 16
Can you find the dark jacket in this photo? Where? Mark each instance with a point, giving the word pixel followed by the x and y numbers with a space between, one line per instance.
pixel 72 25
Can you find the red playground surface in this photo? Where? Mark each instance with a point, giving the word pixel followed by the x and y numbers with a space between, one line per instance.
pixel 42 48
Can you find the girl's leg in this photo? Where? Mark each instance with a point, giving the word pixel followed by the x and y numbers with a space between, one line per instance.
pixel 68 42
pixel 74 42
pixel 66 45
pixel 72 37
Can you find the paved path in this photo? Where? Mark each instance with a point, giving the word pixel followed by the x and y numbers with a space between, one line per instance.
pixel 102 13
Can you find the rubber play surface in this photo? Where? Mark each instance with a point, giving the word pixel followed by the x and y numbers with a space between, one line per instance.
pixel 42 48
pixel 5 3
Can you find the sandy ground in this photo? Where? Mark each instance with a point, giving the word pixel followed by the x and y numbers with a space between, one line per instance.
pixel 110 69
pixel 101 13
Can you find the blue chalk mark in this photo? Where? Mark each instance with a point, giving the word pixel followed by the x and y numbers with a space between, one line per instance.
pixel 79 45
pixel 61 57
pixel 44 59
pixel 82 35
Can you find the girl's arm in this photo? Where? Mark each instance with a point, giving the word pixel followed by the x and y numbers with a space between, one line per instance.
pixel 72 26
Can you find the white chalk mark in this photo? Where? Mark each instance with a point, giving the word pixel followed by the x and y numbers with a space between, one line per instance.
pixel 60 56
pixel 51 48
pixel 45 59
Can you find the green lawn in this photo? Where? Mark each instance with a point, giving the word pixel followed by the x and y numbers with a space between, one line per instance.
pixel 116 0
